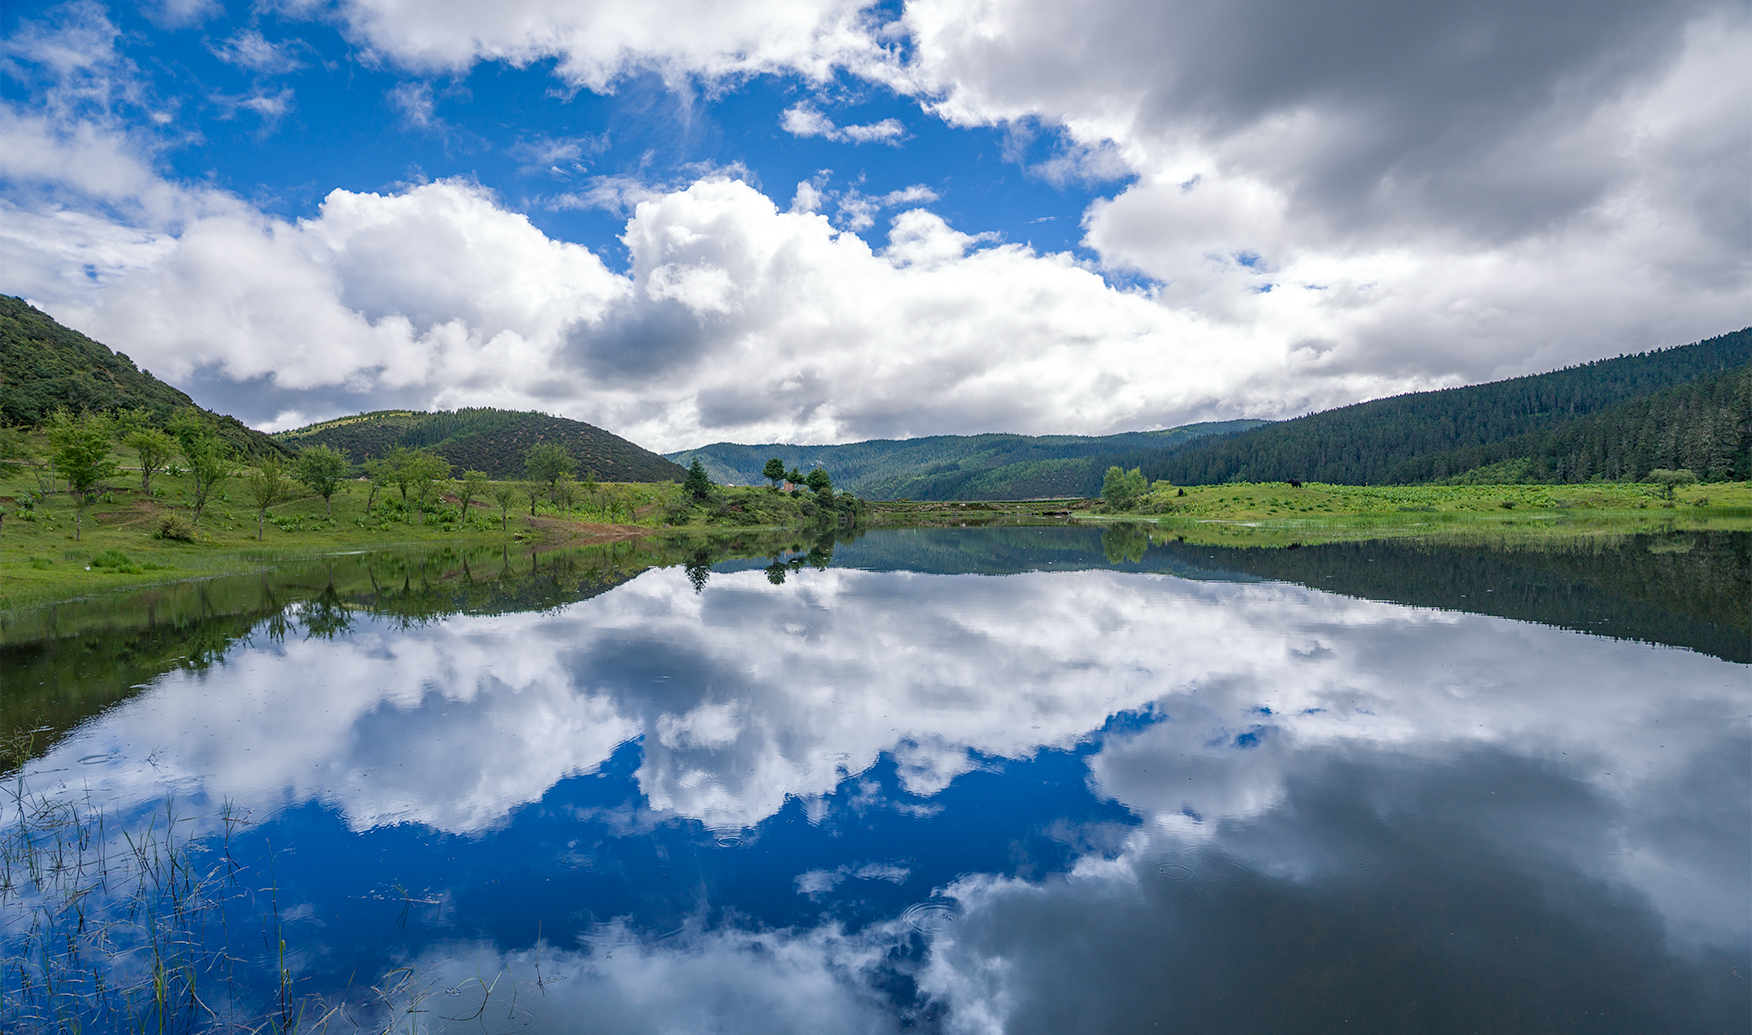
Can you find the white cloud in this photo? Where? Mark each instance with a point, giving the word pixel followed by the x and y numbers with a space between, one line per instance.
pixel 737 320
pixel 1284 286
pixel 270 106
pixel 726 980
pixel 739 699
pixel 250 49
pixel 1476 192
pixel 803 121
pixel 414 101
pixel 598 43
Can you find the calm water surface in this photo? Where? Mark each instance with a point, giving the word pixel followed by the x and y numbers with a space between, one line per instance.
pixel 957 781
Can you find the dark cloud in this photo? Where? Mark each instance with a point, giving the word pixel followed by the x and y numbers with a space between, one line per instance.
pixel 1471 115
pixel 1421 907
pixel 637 341
pixel 260 400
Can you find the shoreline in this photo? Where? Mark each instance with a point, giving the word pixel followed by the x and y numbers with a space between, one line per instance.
pixel 41 565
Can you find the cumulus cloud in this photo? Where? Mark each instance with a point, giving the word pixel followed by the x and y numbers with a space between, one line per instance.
pixel 735 319
pixel 1329 208
pixel 1482 190
pixel 1444 195
pixel 598 43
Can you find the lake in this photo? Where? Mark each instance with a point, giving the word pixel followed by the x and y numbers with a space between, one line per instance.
pixel 958 780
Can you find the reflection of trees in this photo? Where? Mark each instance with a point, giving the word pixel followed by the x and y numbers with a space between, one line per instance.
pixel 1686 589
pixel 699 567
pixel 1125 543
pixel 72 661
pixel 325 616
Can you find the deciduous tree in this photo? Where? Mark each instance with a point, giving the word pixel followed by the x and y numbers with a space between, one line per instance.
pixel 546 462
pixel 565 493
pixel 154 449
pixel 503 494
pixel 1121 489
pixel 1670 480
pixel 321 469
pixel 80 450
pixel 423 472
pixel 208 457
pixel 267 486
pixel 472 485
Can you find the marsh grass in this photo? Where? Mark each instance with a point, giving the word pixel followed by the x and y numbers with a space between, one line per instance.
pixel 106 929
pixel 109 929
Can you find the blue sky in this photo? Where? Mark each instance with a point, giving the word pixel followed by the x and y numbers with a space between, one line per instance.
pixel 817 220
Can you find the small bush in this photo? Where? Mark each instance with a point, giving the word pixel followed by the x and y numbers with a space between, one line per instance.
pixel 174 526
pixel 39 563
pixel 112 559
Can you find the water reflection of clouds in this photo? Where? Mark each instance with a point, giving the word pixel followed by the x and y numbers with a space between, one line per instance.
pixel 748 694
pixel 1414 794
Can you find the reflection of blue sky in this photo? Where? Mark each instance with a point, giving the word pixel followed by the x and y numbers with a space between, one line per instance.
pixel 1039 746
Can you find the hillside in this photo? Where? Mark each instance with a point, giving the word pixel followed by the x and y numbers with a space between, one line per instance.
pixel 946 467
pixel 485 439
pixel 1704 426
pixel 44 365
pixel 1396 440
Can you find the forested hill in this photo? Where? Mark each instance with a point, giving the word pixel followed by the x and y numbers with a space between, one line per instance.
pixel 948 467
pixel 45 366
pixel 1703 426
pixel 485 439
pixel 1387 441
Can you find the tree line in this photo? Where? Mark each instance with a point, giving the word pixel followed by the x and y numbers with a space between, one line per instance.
pixel 79 453
pixel 1391 441
pixel 1703 428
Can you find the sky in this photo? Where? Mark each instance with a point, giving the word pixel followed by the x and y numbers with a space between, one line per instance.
pixel 822 221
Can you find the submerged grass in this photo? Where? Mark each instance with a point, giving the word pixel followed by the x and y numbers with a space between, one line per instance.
pixel 107 929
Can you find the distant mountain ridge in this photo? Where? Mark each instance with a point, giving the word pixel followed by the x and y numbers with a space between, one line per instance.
pixel 946 467
pixel 1426 435
pixel 45 366
pixel 486 439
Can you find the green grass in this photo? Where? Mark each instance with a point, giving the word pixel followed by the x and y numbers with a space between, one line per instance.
pixel 41 561
pixel 1274 514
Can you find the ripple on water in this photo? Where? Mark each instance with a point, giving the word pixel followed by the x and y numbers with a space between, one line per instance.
pixel 932 917
pixel 728 841
pixel 97 759
pixel 1206 869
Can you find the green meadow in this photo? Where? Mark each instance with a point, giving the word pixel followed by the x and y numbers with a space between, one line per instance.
pixel 121 541
pixel 1276 514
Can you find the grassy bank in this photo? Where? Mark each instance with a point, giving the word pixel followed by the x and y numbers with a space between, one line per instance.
pixel 121 544
pixel 1277 514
